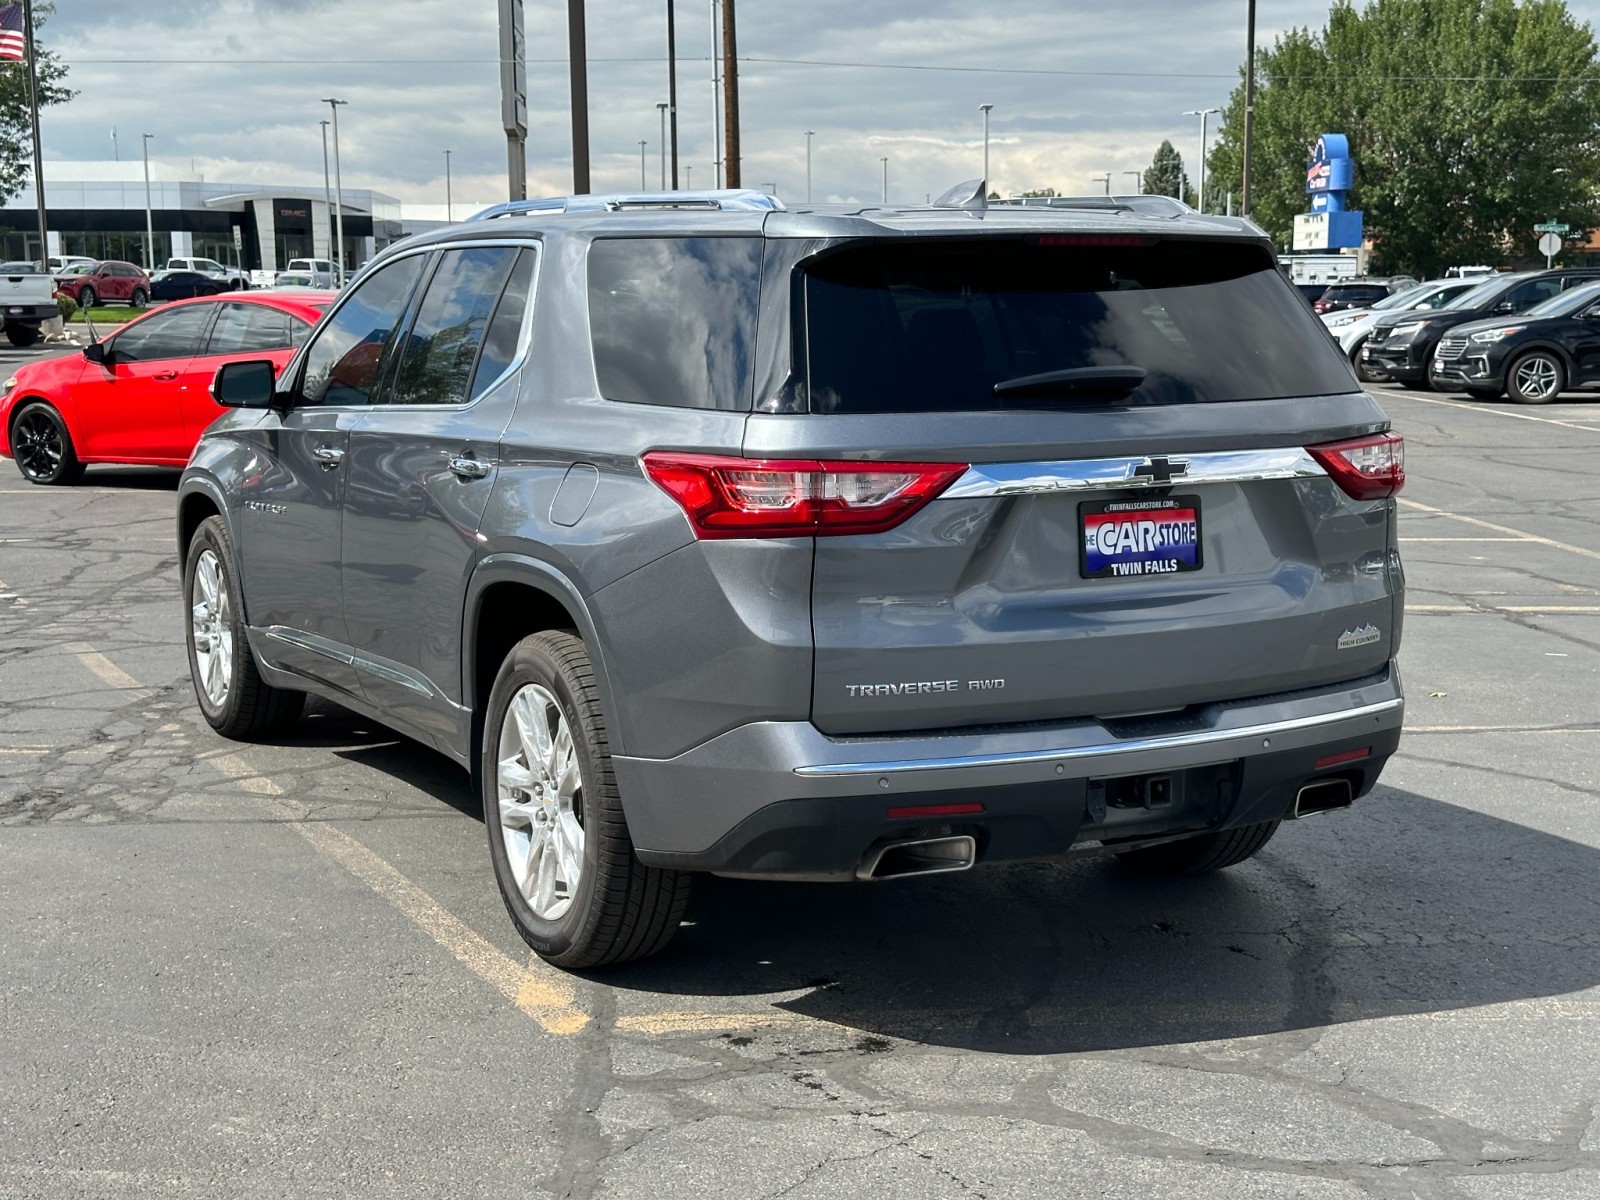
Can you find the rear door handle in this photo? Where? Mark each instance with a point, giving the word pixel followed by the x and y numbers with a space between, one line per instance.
pixel 465 466
pixel 328 456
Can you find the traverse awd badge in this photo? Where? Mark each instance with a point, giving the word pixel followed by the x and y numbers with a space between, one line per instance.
pixel 1363 635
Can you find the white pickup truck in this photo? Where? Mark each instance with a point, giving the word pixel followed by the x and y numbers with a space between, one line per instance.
pixel 212 268
pixel 27 300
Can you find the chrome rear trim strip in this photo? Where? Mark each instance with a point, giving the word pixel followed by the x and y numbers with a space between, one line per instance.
pixel 1100 474
pixel 1105 749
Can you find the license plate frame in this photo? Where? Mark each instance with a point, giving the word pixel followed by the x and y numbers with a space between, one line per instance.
pixel 1147 556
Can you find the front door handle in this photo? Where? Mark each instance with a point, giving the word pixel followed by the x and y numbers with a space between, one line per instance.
pixel 327 456
pixel 465 466
pixel 164 375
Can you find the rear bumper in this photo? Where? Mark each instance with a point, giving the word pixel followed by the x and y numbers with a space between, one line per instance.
pixel 782 800
pixel 28 314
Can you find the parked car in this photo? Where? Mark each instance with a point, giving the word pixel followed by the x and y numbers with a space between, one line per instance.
pixel 232 276
pixel 1402 345
pixel 1533 357
pixel 63 262
pixel 142 395
pixel 954 557
pixel 107 283
pixel 324 272
pixel 183 285
pixel 1360 293
pixel 1351 327
pixel 296 280
pixel 27 300
pixel 1312 291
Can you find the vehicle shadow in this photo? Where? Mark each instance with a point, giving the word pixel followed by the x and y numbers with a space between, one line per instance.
pixel 142 479
pixel 1402 905
pixel 350 736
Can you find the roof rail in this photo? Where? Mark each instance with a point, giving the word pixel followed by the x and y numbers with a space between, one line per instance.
pixel 724 200
pixel 1148 204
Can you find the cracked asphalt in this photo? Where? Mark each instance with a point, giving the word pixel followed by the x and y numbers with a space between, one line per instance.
pixel 274 970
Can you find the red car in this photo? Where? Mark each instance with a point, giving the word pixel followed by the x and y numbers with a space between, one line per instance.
pixel 144 394
pixel 107 283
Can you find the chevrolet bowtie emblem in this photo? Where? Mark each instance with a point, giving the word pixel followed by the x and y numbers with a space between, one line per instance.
pixel 1161 469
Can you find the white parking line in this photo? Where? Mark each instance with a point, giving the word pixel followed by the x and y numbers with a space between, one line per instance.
pixel 1520 535
pixel 1493 412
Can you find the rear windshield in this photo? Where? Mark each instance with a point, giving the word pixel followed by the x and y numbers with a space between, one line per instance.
pixel 1349 292
pixel 898 327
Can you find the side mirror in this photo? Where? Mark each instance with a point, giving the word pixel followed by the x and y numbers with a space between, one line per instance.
pixel 97 352
pixel 1505 306
pixel 244 384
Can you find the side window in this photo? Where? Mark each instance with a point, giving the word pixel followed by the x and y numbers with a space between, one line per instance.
pixel 673 319
pixel 1576 281
pixel 343 365
pixel 243 328
pixel 500 345
pixel 1530 293
pixel 173 334
pixel 441 347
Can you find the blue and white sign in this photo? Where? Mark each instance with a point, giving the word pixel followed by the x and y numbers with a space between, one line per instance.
pixel 1329 176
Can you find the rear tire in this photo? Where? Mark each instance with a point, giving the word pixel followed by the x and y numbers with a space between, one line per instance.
pixel 1197 855
pixel 22 335
pixel 42 446
pixel 140 298
pixel 1538 377
pixel 233 697
pixel 558 840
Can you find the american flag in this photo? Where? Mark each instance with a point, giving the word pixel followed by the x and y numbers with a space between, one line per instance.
pixel 12 44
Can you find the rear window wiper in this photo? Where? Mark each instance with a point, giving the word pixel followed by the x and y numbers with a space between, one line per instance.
pixel 1075 381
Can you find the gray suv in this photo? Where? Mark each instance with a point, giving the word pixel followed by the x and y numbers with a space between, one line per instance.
pixel 827 544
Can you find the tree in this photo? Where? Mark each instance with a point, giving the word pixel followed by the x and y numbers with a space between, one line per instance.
pixel 16 124
pixel 1469 122
pixel 1165 175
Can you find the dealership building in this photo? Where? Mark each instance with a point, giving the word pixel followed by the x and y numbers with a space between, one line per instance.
pixel 98 209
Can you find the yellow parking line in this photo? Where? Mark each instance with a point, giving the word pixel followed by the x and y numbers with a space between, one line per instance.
pixel 1530 537
pixel 103 669
pixel 707 1022
pixel 1498 729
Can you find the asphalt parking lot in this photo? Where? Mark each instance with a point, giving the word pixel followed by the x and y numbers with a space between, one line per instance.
pixel 244 971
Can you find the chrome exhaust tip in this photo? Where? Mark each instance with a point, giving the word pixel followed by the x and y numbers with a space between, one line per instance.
pixel 926 856
pixel 1324 795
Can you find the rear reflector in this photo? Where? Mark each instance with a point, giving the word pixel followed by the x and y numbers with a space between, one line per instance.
pixel 1347 756
pixel 726 497
pixel 1367 468
pixel 936 810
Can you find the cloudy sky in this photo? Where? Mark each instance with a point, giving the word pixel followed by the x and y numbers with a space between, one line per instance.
pixel 1079 88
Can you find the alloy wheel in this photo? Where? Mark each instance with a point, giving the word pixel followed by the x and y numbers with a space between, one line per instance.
pixel 211 626
pixel 36 443
pixel 1537 377
pixel 540 791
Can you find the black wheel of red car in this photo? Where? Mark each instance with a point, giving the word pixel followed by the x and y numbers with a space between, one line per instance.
pixel 1196 855
pixel 86 297
pixel 42 446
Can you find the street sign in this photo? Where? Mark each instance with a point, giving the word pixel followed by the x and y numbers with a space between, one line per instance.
pixel 1550 244
pixel 1552 227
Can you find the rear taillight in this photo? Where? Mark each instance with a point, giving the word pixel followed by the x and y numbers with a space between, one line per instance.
pixel 1367 468
pixel 1320 306
pixel 727 497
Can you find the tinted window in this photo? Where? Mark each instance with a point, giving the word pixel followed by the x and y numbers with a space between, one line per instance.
pixel 500 346
pixel 342 364
pixel 172 334
pixel 1528 294
pixel 901 327
pixel 1364 294
pixel 242 328
pixel 442 344
pixel 673 319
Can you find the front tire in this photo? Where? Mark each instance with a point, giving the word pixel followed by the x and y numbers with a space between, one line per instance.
pixel 1538 377
pixel 558 839
pixel 1197 855
pixel 42 446
pixel 1362 372
pixel 234 699
pixel 86 297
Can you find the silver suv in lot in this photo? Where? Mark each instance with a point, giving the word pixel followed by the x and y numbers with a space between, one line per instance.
pixel 829 544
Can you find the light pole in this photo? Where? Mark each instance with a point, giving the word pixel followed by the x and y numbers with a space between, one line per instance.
pixel 809 135
pixel 1138 182
pixel 1202 113
pixel 716 105
pixel 663 107
pixel 771 188
pixel 885 163
pixel 642 183
pixel 338 189
pixel 984 109
pixel 688 177
pixel 1105 179
pixel 327 186
pixel 449 208
pixel 1249 105
pixel 149 222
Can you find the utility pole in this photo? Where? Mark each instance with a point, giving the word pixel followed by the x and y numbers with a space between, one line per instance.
pixel 514 98
pixel 1249 106
pixel 672 88
pixel 716 97
pixel 578 70
pixel 730 96
pixel 663 109
pixel 885 163
pixel 984 109
pixel 810 133
pixel 38 155
pixel 642 184
pixel 449 208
